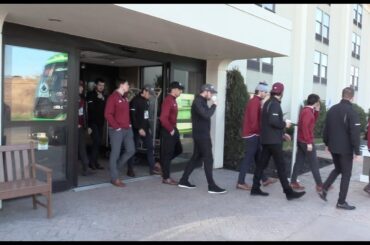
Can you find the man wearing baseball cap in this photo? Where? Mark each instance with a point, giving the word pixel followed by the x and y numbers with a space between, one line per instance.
pixel 201 119
pixel 170 144
pixel 272 134
pixel 139 114
pixel 251 136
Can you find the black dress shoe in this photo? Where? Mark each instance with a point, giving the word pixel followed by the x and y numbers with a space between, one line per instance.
pixel 92 166
pixel 99 166
pixel 345 206
pixel 258 192
pixel 294 195
pixel 323 194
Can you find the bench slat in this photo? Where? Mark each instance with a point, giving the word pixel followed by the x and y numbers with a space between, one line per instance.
pixel 9 165
pixel 26 164
pixel 17 165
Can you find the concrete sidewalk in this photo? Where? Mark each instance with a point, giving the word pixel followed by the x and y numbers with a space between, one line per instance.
pixel 149 210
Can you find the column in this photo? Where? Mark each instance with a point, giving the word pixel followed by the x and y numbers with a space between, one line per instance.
pixel 216 75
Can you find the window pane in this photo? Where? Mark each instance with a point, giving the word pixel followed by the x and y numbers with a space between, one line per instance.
pixel 353 37
pixel 317 57
pixel 324 59
pixel 359 9
pixel 318 15
pixel 326 20
pixel 323 71
pixel 352 71
pixel 318 28
pixel 358 40
pixel 268 6
pixel 267 60
pixel 325 32
pixel 356 72
pixel 39 77
pixel 316 69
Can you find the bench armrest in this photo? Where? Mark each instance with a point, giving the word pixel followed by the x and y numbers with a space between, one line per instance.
pixel 44 169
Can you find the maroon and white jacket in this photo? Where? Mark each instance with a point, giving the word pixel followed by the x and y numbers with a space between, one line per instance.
pixel 306 125
pixel 252 118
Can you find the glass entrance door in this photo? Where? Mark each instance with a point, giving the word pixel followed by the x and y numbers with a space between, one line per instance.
pixel 35 99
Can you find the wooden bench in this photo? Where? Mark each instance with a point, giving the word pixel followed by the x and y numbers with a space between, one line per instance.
pixel 18 170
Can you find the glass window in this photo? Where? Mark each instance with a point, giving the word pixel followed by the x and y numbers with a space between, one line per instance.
pixel 356 41
pixel 354 77
pixel 39 77
pixel 320 71
pixel 152 75
pixel 322 26
pixel 192 82
pixel 267 60
pixel 35 104
pixel 268 6
pixel 357 15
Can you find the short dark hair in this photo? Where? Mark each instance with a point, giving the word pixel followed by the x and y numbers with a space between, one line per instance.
pixel 348 93
pixel 312 99
pixel 120 81
pixel 99 80
pixel 274 93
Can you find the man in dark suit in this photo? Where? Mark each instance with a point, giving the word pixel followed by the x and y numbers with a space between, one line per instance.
pixel 342 138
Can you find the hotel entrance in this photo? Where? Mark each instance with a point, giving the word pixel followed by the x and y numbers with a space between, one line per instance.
pixel 40 96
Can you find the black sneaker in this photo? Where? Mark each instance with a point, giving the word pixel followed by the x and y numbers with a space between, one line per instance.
pixel 186 184
pixel 345 206
pixel 294 195
pixel 258 192
pixel 216 190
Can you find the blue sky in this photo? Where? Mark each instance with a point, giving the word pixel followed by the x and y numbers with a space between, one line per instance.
pixel 20 61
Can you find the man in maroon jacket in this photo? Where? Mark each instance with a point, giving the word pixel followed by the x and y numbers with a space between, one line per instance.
pixel 306 146
pixel 251 136
pixel 117 113
pixel 170 144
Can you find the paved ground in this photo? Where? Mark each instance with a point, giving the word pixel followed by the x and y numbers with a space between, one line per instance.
pixel 149 210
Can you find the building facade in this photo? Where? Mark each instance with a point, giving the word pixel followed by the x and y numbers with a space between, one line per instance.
pixel 329 51
pixel 48 48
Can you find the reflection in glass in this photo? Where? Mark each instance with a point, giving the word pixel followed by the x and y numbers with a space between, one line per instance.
pixel 35 84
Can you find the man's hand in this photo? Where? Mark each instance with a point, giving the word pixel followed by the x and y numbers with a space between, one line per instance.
pixel 142 132
pixel 288 123
pixel 172 132
pixel 89 130
pixel 287 137
pixel 309 147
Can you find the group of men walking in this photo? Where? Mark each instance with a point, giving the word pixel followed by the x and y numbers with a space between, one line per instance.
pixel 263 131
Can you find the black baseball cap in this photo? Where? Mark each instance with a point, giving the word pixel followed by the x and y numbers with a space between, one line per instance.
pixel 176 84
pixel 150 88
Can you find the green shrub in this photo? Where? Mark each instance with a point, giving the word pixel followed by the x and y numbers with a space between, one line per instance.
pixel 236 98
pixel 362 114
pixel 319 126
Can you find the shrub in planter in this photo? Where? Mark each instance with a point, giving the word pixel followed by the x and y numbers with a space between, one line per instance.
pixel 236 98
pixel 362 114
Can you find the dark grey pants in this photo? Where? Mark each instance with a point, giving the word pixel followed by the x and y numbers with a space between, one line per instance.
pixel 311 157
pixel 116 159
pixel 343 165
